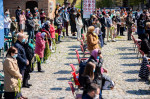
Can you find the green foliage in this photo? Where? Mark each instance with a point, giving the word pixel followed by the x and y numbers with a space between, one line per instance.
pixel 136 2
pixel 47 51
pixel 104 3
pixel 56 37
pixel 38 58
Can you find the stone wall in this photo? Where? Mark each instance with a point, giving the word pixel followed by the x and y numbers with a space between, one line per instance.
pixel 42 4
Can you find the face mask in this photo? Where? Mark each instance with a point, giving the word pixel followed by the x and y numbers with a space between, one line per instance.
pixel 93 70
pixel 30 17
pixel 7 15
pixel 15 56
pixel 97 57
pixel 35 17
pixel 36 10
pixel 42 11
pixel 65 10
pixel 23 40
pixel 26 41
pixel 23 12
pixel 28 11
pixel 15 20
pixel 96 97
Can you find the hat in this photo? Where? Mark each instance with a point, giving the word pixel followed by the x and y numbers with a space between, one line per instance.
pixel 91 29
pixel 43 35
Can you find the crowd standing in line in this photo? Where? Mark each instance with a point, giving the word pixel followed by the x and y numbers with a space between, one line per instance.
pixel 41 31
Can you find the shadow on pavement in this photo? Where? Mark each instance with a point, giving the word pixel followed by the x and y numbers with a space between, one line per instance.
pixel 133 64
pixel 131 72
pixel 127 54
pixel 139 92
pixel 74 46
pixel 56 89
pixel 63 72
pixel 128 58
pixel 63 78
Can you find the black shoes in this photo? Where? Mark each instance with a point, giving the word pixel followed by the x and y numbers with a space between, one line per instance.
pixel 26 86
pixel 41 71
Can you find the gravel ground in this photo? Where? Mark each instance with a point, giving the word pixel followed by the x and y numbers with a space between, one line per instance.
pixel 119 59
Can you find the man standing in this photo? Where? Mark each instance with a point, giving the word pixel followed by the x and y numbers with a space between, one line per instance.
pixel 65 17
pixel 21 58
pixel 18 12
pixel 129 25
pixel 103 28
pixel 30 27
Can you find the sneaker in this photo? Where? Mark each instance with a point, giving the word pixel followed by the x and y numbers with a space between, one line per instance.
pixel 113 40
pixel 53 51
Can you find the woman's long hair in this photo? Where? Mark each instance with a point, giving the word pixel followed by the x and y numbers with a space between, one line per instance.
pixel 89 70
pixel 11 50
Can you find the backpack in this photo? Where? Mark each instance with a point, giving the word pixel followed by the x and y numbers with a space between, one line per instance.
pixel 81 70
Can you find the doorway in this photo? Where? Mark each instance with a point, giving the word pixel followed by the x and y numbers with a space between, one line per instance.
pixel 31 5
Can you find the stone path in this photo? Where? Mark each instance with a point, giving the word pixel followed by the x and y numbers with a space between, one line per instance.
pixel 119 59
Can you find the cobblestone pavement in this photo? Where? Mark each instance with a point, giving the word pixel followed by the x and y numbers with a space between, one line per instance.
pixel 119 59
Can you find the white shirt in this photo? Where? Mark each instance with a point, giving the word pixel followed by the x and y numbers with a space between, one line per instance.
pixel 7 22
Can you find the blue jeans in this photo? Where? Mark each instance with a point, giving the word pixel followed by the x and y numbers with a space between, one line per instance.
pixel 6 31
pixel 31 35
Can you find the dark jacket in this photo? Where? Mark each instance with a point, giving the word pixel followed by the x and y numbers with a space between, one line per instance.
pixel 14 27
pixel 145 45
pixel 65 16
pixel 103 22
pixel 86 96
pixel 18 12
pixel 21 59
pixel 30 24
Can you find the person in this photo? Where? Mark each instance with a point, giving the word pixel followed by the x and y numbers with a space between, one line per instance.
pixel 122 26
pixel 103 28
pixel 79 25
pixel 109 25
pixel 22 20
pixel 30 28
pixel 73 22
pixel 18 12
pixel 27 13
pixel 65 17
pixel 7 23
pixel 39 47
pixel 140 26
pixel 36 13
pixel 42 16
pixel 145 44
pixel 21 58
pixel 58 21
pixel 52 32
pixel 11 74
pixel 92 92
pixel 13 28
pixel 114 29
pixel 92 39
pixel 37 25
pixel 129 23
pixel 118 22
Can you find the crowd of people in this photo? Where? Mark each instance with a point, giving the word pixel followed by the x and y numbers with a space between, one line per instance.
pixel 41 31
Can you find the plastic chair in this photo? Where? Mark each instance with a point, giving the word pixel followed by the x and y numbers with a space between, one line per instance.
pixel 72 87
pixel 85 53
pixel 78 57
pixel 83 37
pixel 73 68
pixel 76 96
pixel 75 77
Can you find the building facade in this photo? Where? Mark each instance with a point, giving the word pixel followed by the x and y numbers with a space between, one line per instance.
pixel 47 5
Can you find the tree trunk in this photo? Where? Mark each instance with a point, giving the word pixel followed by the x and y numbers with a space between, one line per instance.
pixel 73 2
